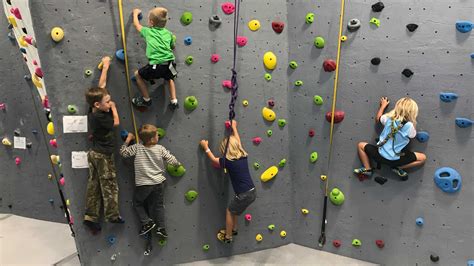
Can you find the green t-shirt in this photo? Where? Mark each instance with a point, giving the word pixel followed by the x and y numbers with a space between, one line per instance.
pixel 158 45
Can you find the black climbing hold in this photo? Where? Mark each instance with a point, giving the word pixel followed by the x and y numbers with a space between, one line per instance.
pixel 434 258
pixel 353 25
pixel 378 7
pixel 9 2
pixel 412 27
pixel 24 30
pixel 10 206
pixel 375 61
pixel 215 21
pixel 17 132
pixel 407 72
pixel 29 145
pixel 380 179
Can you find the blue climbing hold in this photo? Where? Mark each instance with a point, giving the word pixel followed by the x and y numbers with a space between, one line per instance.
pixel 419 221
pixel 123 134
pixel 463 122
pixel 464 26
pixel 140 16
pixel 470 263
pixel 472 55
pixel 422 136
pixel 120 54
pixel 448 97
pixel 111 239
pixel 23 50
pixel 188 40
pixel 133 78
pixel 448 179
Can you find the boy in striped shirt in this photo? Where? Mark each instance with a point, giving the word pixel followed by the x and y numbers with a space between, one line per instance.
pixel 149 177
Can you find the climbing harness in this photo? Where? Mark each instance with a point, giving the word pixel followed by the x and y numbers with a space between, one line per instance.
pixel 235 85
pixel 322 237
pixel 393 131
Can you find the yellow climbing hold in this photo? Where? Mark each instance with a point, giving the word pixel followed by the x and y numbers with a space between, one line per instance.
pixel 12 21
pixel 269 173
pixel 6 142
pixel 245 103
pixel 254 25
pixel 57 34
pixel 259 237
pixel 101 64
pixel 283 234
pixel 22 41
pixel 37 81
pixel 304 211
pixel 50 128
pixel 323 177
pixel 268 114
pixel 343 38
pixel 270 60
pixel 55 159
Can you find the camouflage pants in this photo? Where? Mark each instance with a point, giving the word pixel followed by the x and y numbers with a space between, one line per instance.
pixel 101 187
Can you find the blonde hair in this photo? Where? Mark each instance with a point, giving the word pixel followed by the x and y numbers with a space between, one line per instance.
pixel 235 150
pixel 405 109
pixel 147 132
pixel 158 16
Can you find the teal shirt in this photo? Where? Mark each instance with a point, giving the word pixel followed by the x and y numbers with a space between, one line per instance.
pixel 158 45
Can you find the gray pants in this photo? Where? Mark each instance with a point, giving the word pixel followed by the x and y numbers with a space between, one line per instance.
pixel 149 204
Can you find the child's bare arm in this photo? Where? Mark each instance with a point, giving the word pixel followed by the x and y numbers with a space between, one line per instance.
pixel 105 69
pixel 210 155
pixel 235 132
pixel 383 105
pixel 136 22
pixel 113 109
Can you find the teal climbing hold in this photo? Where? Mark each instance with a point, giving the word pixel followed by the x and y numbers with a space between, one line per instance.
pixel 189 60
pixel 309 18
pixel 336 197
pixel 186 18
pixel 318 100
pixel 319 42
pixel 293 65
pixel 120 54
pixel 176 171
pixel 298 83
pixel 190 103
pixel 313 157
pixel 281 122
pixel 191 195
pixel 268 76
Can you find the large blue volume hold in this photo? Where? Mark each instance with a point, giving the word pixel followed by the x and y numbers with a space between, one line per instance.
pixel 448 179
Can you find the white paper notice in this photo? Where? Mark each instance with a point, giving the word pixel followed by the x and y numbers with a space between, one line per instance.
pixel 74 123
pixel 19 143
pixel 79 159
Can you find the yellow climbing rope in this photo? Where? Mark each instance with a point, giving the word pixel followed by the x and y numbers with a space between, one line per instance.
pixel 127 72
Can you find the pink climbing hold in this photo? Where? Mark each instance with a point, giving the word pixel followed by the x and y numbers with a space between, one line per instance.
pixel 329 65
pixel 17 160
pixel 228 8
pixel 53 143
pixel 241 41
pixel 311 133
pixel 248 217
pixel 338 116
pixel 336 243
pixel 62 181
pixel 215 58
pixel 35 62
pixel 16 12
pixel 380 243
pixel 39 72
pixel 46 102
pixel 227 124
pixel 227 84
pixel 3 106
pixel 271 102
pixel 257 140
pixel 29 40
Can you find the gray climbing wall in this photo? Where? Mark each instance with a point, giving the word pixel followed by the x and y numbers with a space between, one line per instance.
pixel 24 189
pixel 439 57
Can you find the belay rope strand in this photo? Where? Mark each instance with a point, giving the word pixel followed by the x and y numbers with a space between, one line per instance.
pixel 322 237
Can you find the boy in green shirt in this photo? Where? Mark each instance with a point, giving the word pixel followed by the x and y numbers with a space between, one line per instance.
pixel 159 45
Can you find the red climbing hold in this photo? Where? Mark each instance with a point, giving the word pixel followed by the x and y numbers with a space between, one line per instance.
pixel 311 133
pixel 338 116
pixel 380 243
pixel 16 12
pixel 227 84
pixel 278 26
pixel 227 124
pixel 329 65
pixel 29 40
pixel 271 103
pixel 257 140
pixel 39 72
pixel 336 243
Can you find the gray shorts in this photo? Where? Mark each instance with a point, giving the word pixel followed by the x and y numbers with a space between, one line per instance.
pixel 241 201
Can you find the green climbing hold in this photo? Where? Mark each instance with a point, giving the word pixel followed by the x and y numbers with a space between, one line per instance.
pixel 293 64
pixel 162 242
pixel 206 247
pixel 174 39
pixel 318 100
pixel 271 227
pixel 189 60
pixel 88 72
pixel 269 132
pixel 176 171
pixel 319 42
pixel 356 242
pixel 71 109
pixel 190 103
pixel 309 18
pixel 375 21
pixel 336 197
pixel 191 195
pixel 282 163
pixel 281 122
pixel 298 83
pixel 256 165
pixel 161 132
pixel 314 157
pixel 187 18
pixel 268 76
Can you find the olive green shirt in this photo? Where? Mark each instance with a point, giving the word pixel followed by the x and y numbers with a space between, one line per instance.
pixel 158 45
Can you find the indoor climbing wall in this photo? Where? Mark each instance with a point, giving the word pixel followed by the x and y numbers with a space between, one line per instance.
pixel 27 186
pixel 439 57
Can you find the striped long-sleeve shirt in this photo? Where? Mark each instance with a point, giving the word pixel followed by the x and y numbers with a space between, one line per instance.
pixel 149 166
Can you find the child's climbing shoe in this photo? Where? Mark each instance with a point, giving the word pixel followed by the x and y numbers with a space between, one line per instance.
pixel 235 232
pixel 401 173
pixel 117 220
pixel 363 173
pixel 162 232
pixel 93 227
pixel 173 106
pixel 140 102
pixel 223 237
pixel 147 228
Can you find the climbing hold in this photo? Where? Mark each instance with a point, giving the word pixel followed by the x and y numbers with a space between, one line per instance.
pixel 267 76
pixel 448 179
pixel 53 143
pixel 23 50
pixel 11 36
pixel 188 40
pixel 120 54
pixel 259 237
pixel 412 27
pixel 227 124
pixel 407 72
pixel 448 96
pixel 419 221
pixel 39 72
pixel 190 103
pixel 329 65
pixel 88 72
pixel 254 25
pixel 270 60
pixel 176 171
pixel 304 211
pixel 293 64
pixel 256 166
pixel 161 132
pixel 62 181
pixel 309 18
pixel 422 136
pixel 191 195
pixel 283 234
pixel 16 12
pixel 17 132
pixel 54 159
pixel 380 179
pixel 241 41
pixel 336 197
pixel 353 25
pixel 375 21
pixel 380 243
pixel 311 133
pixel 271 227
pixel 257 140
pixel 34 131
pixel 228 8
pixel 50 176
pixel 343 38
pixel 22 41
pixel 189 59
pixel 470 263
pixel 278 26
pixel 318 100
pixel 281 122
pixel 319 42
pixel 215 58
pixel 3 106
pixel 336 243
pixel 268 114
pixel 245 103
pixel 17 160
pixel 323 177
pixel 57 34
pixel 375 61
pixel 50 128
pixel 111 239
pixel 206 247
pixel 248 217
pixel 215 21
pixel 27 77
pixel 356 242
pixel 464 26
pixel 282 163
pixel 51 201
pixel 378 7
pixel 227 84
pixel 313 157
pixel 269 174
pixel 269 132
pixel 463 122
pixel 434 258
pixel 338 116
pixel 298 83
pixel 472 55
pixel 71 109
pixel 30 41
pixel 162 242
pixel 186 18
pixel 6 141
pixel 12 21
pixel 271 103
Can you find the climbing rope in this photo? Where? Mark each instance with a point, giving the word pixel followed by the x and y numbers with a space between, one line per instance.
pixel 322 237
pixel 127 72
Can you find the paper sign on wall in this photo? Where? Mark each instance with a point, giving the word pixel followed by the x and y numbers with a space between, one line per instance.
pixel 74 123
pixel 79 159
pixel 19 142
